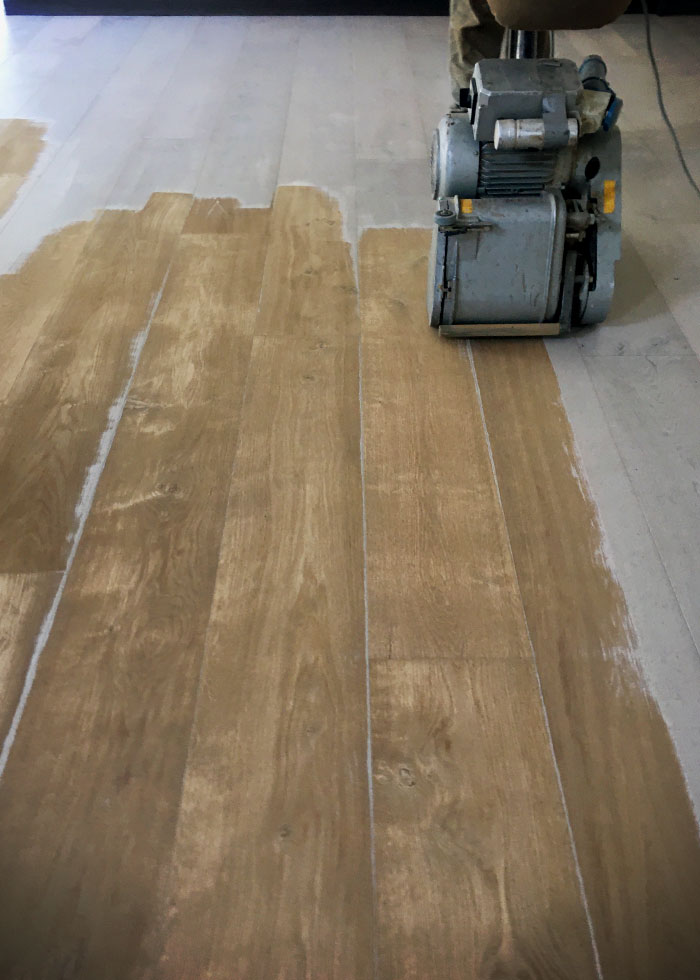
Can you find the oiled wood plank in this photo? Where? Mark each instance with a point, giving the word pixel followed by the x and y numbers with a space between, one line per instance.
pixel 24 600
pixel 90 795
pixel 58 406
pixel 309 287
pixel 633 824
pixel 212 215
pixel 271 874
pixel 474 866
pixel 21 142
pixel 474 869
pixel 29 296
pixel 439 571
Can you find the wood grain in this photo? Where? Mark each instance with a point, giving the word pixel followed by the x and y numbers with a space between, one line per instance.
pixel 21 142
pixel 438 565
pixel 475 871
pixel 29 296
pixel 58 406
pixel 307 249
pixel 633 824
pixel 90 795
pixel 24 600
pixel 271 874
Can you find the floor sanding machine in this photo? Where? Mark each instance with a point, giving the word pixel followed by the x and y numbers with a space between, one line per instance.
pixel 526 175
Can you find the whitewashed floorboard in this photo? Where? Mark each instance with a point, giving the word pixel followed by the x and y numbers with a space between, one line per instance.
pixel 17 32
pixel 665 648
pixel 653 407
pixel 243 155
pixel 54 45
pixel 75 177
pixel 66 95
pixel 640 321
pixel 189 106
pixel 427 46
pixel 319 139
pixel 392 158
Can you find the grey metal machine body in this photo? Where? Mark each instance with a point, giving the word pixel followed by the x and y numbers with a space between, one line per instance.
pixel 527 176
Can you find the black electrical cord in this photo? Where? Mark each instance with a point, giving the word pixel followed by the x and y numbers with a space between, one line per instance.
pixel 662 106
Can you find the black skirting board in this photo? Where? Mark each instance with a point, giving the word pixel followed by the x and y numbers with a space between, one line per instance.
pixel 278 7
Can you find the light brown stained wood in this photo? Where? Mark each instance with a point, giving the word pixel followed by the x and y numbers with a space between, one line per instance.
pixel 89 799
pixel 24 600
pixel 474 867
pixel 306 247
pixel 21 143
pixel 271 875
pixel 58 406
pixel 633 824
pixel 441 578
pixel 29 296
pixel 213 215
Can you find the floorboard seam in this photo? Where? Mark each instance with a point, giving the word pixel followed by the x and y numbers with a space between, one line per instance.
pixel 368 692
pixel 574 851
pixel 82 512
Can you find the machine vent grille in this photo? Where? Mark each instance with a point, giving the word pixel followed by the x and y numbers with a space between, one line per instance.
pixel 514 173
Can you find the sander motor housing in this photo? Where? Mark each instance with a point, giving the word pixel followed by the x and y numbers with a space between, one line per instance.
pixel 526 173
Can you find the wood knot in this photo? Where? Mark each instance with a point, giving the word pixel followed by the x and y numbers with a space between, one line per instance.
pixel 406 776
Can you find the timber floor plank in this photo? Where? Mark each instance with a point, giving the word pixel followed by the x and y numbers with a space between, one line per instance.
pixel 242 153
pixel 29 297
pixel 475 872
pixel 24 600
pixel 271 872
pixel 632 821
pixel 437 582
pixel 92 787
pixel 20 146
pixel 58 405
pixel 306 242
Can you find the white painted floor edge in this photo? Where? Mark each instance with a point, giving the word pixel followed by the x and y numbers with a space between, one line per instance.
pixel 666 652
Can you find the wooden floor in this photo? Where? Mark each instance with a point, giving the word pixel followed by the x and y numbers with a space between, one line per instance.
pixel 329 648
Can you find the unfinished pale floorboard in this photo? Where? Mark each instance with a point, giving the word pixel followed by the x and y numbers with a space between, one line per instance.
pixel 271 874
pixel 24 73
pixel 76 176
pixel 246 144
pixel 91 791
pixel 475 871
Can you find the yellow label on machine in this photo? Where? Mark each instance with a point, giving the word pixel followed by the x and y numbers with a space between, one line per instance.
pixel 466 205
pixel 608 196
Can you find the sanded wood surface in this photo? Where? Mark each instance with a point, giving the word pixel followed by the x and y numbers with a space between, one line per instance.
pixel 29 296
pixel 632 821
pixel 91 792
pixel 475 870
pixel 59 403
pixel 271 872
pixel 24 600
pixel 20 145
pixel 188 794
